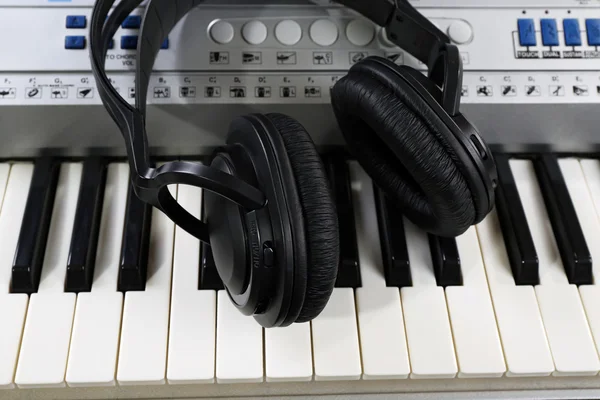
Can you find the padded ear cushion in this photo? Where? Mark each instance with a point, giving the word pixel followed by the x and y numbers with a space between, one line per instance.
pixel 402 144
pixel 319 215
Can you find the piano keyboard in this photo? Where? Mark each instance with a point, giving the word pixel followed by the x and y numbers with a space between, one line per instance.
pixel 97 289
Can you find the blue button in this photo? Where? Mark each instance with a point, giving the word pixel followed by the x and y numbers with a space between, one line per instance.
pixel 527 32
pixel 572 32
pixel 75 42
pixel 129 42
pixel 549 32
pixel 132 22
pixel 593 31
pixel 165 44
pixel 76 21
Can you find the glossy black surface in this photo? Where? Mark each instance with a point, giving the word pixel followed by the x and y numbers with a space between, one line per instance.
pixel 84 239
pixel 394 250
pixel 339 179
pixel 446 261
pixel 133 267
pixel 208 277
pixel 574 251
pixel 521 251
pixel 33 236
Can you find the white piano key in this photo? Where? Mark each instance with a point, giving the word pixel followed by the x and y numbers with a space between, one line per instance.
pixel 4 174
pixel 389 339
pixel 47 334
pixel 476 339
pixel 12 306
pixel 524 342
pixel 580 181
pixel 12 314
pixel 192 332
pixel 590 297
pixel 568 333
pixel 239 344
pixel 591 172
pixel 570 339
pixel 379 309
pixel 44 352
pixel 288 353
pixel 336 350
pixel 95 340
pixel 428 330
pixel 583 182
pixel 97 323
pixel 145 325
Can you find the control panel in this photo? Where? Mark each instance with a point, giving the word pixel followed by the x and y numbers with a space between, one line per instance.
pixel 293 52
pixel 550 38
pixel 531 71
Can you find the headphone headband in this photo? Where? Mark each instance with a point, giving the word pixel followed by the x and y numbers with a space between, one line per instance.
pixel 405 27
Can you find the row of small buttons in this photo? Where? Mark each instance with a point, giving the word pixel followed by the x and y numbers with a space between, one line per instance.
pixel 532 91
pixel 550 36
pixel 127 43
pixel 288 32
pixel 80 22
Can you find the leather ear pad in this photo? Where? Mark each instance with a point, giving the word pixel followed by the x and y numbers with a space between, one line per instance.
pixel 401 143
pixel 319 215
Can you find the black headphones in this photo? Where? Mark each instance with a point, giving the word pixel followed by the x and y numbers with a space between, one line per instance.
pixel 270 218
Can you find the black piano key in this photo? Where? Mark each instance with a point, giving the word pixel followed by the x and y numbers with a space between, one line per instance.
pixel 133 268
pixel 574 252
pixel 209 278
pixel 394 250
pixel 82 253
pixel 515 229
pixel 31 245
pixel 339 179
pixel 446 261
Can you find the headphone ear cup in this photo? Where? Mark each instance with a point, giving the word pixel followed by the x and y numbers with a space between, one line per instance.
pixel 404 147
pixel 318 214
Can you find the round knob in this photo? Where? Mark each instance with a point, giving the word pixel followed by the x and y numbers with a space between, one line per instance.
pixel 254 32
pixel 221 32
pixel 288 32
pixel 460 32
pixel 324 32
pixel 360 32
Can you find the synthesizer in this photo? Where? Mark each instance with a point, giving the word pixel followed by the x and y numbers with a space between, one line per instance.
pixel 510 309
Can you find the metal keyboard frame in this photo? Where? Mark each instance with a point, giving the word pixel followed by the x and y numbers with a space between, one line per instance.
pixel 451 389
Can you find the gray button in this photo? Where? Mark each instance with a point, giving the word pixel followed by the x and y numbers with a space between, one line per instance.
pixel 254 32
pixel 360 32
pixel 288 32
pixel 324 32
pixel 221 32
